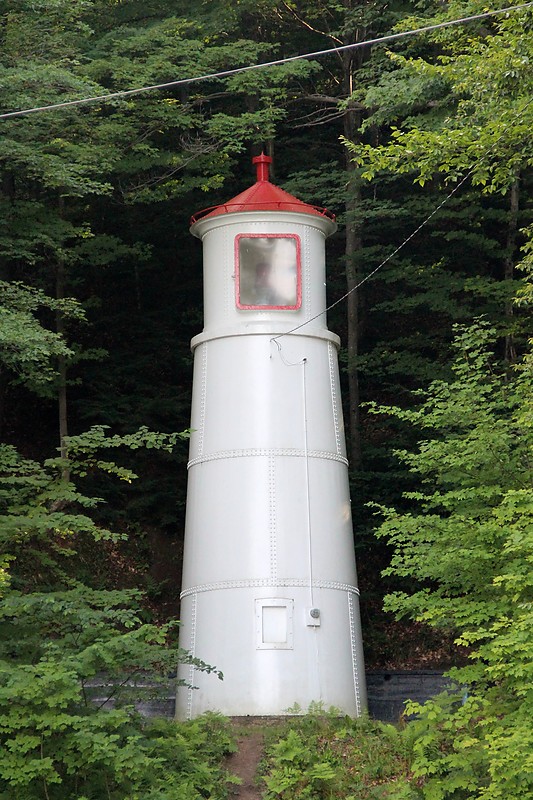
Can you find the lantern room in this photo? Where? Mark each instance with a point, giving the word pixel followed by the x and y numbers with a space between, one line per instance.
pixel 262 258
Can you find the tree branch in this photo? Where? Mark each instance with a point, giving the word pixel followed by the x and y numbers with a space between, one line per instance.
pixel 308 26
pixel 323 121
pixel 332 101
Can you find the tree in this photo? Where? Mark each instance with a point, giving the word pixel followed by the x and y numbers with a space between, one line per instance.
pixel 476 128
pixel 63 639
pixel 27 348
pixel 468 542
pixel 87 194
pixel 439 107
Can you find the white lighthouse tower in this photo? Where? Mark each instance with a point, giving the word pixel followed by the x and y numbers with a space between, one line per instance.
pixel 269 592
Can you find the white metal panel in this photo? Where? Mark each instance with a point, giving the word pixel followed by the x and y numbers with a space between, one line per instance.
pixel 228 525
pixel 258 681
pixel 258 503
pixel 319 538
pixel 258 393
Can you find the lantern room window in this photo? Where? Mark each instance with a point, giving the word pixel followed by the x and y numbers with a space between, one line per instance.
pixel 268 271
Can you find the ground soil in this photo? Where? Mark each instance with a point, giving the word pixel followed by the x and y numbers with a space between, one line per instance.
pixel 245 761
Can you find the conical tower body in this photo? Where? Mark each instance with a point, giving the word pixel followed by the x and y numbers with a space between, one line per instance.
pixel 269 591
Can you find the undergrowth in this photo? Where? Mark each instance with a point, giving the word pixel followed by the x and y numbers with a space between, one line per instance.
pixel 141 760
pixel 324 756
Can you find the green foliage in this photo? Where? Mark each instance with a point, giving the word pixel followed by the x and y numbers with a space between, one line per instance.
pixel 468 541
pixel 83 449
pixel 524 297
pixel 27 348
pixel 112 754
pixel 73 659
pixel 486 80
pixel 43 515
pixel 450 106
pixel 71 665
pixel 327 756
pixel 298 769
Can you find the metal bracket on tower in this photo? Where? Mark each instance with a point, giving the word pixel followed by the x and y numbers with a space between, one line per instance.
pixel 312 617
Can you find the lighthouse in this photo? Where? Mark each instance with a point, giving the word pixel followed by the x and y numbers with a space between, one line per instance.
pixel 269 590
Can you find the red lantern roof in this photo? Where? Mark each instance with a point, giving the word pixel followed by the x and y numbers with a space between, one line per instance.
pixel 263 196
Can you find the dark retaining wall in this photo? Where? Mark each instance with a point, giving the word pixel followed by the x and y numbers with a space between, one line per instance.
pixel 387 693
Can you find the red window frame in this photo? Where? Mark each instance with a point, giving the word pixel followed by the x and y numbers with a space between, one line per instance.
pixel 297 239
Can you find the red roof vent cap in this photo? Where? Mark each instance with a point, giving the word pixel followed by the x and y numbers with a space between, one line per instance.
pixel 262 162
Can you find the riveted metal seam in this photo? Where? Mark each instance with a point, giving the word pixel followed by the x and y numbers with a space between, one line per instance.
pixel 254 583
pixel 307 249
pixel 353 640
pixel 272 521
pixel 222 454
pixel 192 650
pixel 203 402
pixel 332 356
pixel 229 269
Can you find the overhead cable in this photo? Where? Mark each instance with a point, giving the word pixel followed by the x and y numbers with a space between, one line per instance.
pixel 103 98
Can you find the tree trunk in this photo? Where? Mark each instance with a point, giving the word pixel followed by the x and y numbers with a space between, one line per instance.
pixel 508 267
pixel 61 275
pixel 353 246
pixel 8 191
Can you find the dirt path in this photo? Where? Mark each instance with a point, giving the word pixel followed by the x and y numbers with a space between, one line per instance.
pixel 244 764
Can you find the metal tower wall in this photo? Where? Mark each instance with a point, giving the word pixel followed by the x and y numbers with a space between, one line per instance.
pixel 269 592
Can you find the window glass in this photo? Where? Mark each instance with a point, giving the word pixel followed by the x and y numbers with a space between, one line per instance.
pixel 268 272
pixel 274 624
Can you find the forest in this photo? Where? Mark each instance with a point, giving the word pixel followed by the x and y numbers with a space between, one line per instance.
pixel 421 146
